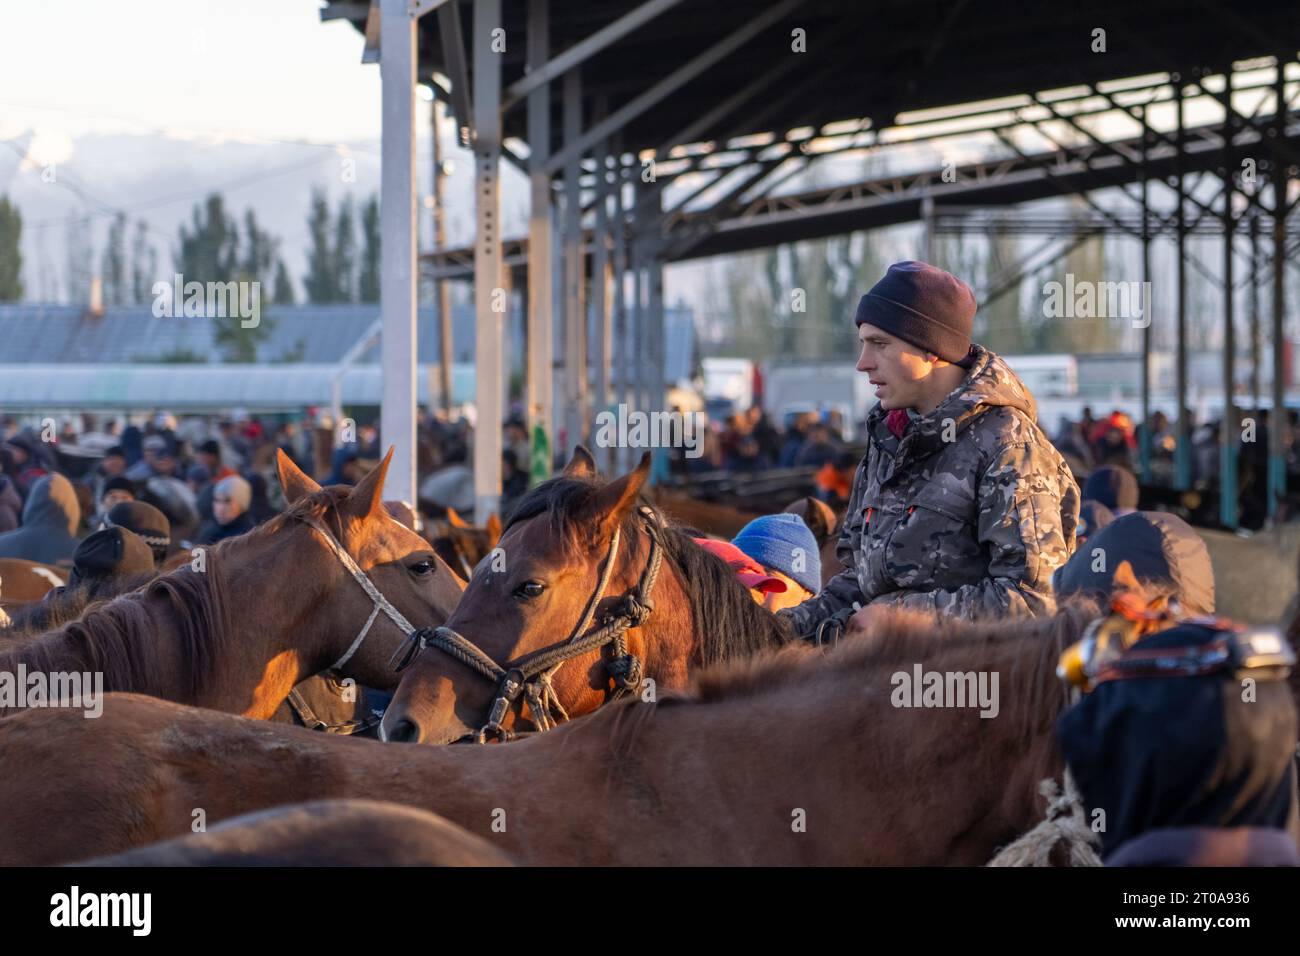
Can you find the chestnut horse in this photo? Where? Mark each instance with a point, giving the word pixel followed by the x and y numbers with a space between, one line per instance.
pixel 23 581
pixel 799 757
pixel 560 539
pixel 269 608
pixel 322 833
pixel 462 545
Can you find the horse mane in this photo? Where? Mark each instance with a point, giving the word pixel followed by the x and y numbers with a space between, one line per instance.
pixel 32 620
pixel 940 644
pixel 113 637
pixel 728 622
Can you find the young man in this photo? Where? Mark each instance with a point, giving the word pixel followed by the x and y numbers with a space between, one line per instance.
pixel 961 505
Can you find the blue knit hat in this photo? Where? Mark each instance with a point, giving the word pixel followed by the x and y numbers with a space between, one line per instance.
pixel 783 542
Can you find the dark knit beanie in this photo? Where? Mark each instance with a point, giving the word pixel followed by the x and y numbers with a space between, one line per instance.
pixel 110 553
pixel 1114 486
pixel 924 306
pixel 117 483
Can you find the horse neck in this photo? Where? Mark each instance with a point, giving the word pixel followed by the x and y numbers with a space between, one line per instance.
pixel 668 634
pixel 886 785
pixel 134 641
pixel 276 629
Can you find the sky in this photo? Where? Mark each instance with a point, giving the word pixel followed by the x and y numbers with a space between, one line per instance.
pixel 245 70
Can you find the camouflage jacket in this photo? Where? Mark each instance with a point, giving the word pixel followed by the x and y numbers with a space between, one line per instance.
pixel 968 514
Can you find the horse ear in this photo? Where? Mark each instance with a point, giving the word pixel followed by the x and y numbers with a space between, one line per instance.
pixel 615 500
pixel 581 465
pixel 493 529
pixel 455 520
pixel 368 496
pixel 295 483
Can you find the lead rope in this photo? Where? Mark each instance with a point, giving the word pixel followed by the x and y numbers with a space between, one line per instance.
pixel 1064 821
pixel 531 674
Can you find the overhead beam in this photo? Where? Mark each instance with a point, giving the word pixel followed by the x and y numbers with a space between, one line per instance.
pixel 669 84
pixel 603 38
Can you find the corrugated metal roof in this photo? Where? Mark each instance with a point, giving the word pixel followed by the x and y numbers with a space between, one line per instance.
pixel 310 334
pixel 186 387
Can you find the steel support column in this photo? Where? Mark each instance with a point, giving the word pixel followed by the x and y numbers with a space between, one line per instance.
pixel 441 287
pixel 1254 315
pixel 1277 433
pixel 1183 449
pixel 539 400
pixel 489 290
pixel 575 313
pixel 1229 430
pixel 1144 430
pixel 397 258
pixel 600 294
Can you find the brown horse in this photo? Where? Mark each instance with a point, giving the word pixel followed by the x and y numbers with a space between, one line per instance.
pixel 266 610
pixel 23 581
pixel 825 525
pixel 462 545
pixel 707 516
pixel 554 549
pixel 797 757
pixel 322 833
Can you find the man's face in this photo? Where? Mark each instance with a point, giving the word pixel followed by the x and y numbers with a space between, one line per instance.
pixel 898 370
pixel 114 465
pixel 224 508
pixel 793 595
pixel 114 496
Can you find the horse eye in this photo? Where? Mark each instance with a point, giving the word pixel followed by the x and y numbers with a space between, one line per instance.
pixel 423 567
pixel 530 589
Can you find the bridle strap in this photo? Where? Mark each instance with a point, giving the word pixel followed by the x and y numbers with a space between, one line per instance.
pixel 532 673
pixel 380 602
pixel 347 655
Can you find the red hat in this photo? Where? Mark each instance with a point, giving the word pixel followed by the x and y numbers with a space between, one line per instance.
pixel 750 572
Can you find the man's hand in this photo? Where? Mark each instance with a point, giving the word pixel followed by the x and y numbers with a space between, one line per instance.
pixel 866 620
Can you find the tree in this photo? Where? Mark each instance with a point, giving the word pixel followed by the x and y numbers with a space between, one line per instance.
pixel 11 255
pixel 258 256
pixel 345 252
pixel 144 265
pixel 368 279
pixel 79 251
pixel 113 265
pixel 283 294
pixel 320 257
pixel 209 251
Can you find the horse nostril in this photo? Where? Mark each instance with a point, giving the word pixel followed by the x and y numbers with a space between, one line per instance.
pixel 405 732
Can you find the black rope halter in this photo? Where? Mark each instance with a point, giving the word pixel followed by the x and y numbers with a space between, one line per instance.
pixel 531 674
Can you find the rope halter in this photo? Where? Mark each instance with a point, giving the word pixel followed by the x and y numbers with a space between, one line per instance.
pixel 531 674
pixel 380 602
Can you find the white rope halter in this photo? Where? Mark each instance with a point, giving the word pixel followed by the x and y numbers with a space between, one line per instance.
pixel 380 602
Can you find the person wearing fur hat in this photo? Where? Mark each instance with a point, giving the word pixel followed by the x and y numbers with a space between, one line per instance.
pixel 961 506
pixel 146 521
pixel 231 498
